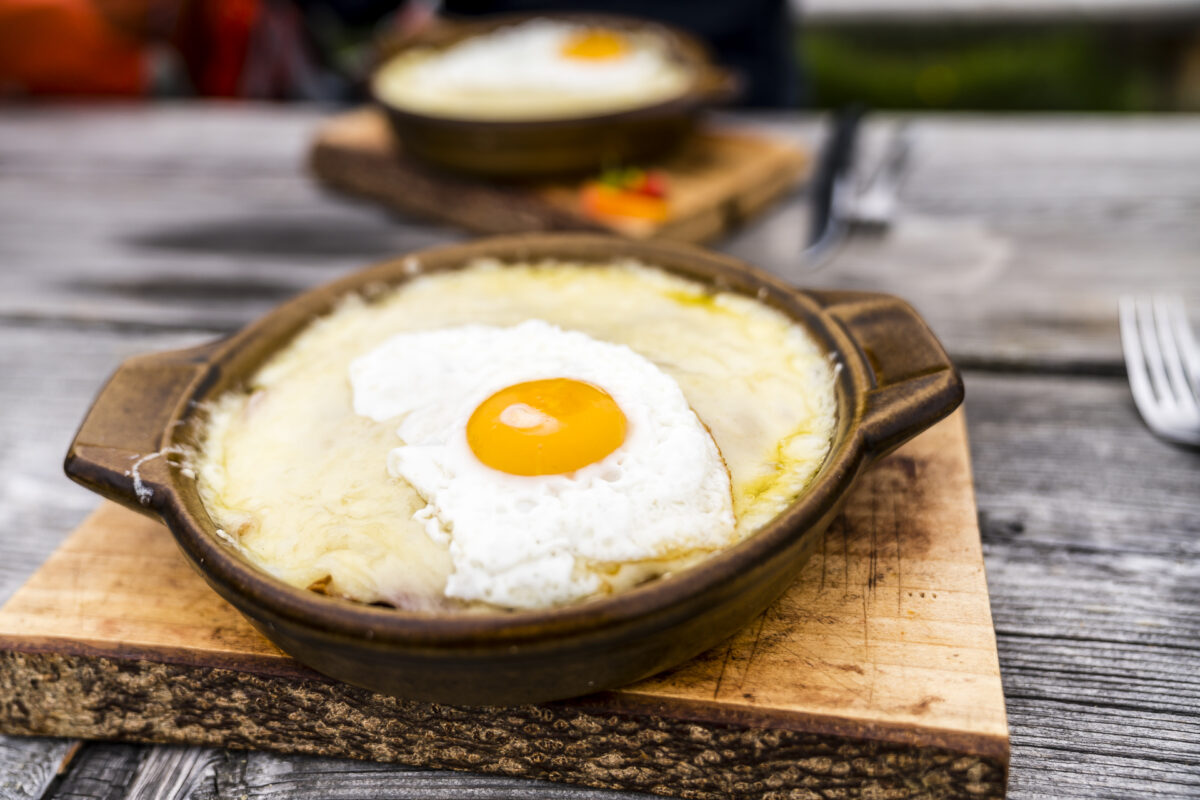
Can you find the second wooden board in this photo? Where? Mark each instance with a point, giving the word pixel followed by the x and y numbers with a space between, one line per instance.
pixel 716 180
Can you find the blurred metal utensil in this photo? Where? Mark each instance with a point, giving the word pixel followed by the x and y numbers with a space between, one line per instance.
pixel 841 205
pixel 875 206
pixel 1163 363
pixel 832 185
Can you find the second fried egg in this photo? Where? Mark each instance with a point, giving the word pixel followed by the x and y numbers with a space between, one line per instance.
pixel 545 458
pixel 540 69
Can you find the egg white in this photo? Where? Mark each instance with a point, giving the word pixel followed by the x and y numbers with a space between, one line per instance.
pixel 536 541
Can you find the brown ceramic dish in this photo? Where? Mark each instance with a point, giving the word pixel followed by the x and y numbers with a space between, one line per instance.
pixel 895 381
pixel 526 149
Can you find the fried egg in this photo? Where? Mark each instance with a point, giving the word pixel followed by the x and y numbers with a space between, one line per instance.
pixel 540 69
pixel 546 458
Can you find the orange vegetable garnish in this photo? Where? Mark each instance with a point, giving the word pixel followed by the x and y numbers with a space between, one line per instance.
pixel 607 201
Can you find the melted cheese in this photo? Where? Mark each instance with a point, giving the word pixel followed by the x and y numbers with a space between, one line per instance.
pixel 301 480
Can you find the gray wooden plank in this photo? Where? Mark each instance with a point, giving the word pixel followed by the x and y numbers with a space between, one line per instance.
pixel 1016 235
pixel 237 139
pixel 48 376
pixel 201 252
pixel 29 766
pixel 114 771
pixel 174 773
pixel 1090 535
pixel 100 771
pixel 266 776
pixel 204 217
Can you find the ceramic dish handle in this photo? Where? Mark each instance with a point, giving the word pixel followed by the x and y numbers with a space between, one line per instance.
pixel 914 382
pixel 118 451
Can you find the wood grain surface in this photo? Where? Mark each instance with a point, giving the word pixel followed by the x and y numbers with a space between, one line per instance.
pixel 131 229
pixel 877 668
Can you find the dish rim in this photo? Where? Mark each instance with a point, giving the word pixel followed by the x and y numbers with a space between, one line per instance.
pixel 654 603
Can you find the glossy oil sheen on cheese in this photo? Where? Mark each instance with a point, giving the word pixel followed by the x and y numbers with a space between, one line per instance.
pixel 300 480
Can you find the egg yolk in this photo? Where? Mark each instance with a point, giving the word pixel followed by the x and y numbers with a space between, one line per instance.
pixel 595 44
pixel 546 427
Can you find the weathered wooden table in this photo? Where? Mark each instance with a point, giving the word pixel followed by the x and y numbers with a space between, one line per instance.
pixel 132 229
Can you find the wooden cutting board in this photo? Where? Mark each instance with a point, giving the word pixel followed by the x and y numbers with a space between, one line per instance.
pixel 717 179
pixel 874 676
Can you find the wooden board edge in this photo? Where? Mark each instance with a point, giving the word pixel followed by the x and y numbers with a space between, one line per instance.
pixel 626 703
pixel 744 716
pixel 262 664
pixel 483 209
pixel 475 207
pixel 88 697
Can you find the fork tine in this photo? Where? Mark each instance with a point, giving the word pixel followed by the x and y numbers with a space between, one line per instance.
pixel 1186 342
pixel 1172 360
pixel 1148 336
pixel 1135 362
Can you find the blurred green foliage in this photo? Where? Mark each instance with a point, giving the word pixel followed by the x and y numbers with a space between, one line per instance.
pixel 1023 68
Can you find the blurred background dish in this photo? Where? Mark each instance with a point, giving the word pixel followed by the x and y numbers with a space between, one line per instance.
pixel 510 96
pixel 536 69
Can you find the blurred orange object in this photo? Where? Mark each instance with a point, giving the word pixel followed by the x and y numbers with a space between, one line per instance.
pixel 107 47
pixel 629 193
pixel 67 47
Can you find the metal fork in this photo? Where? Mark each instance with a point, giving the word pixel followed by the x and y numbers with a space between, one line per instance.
pixel 1163 363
